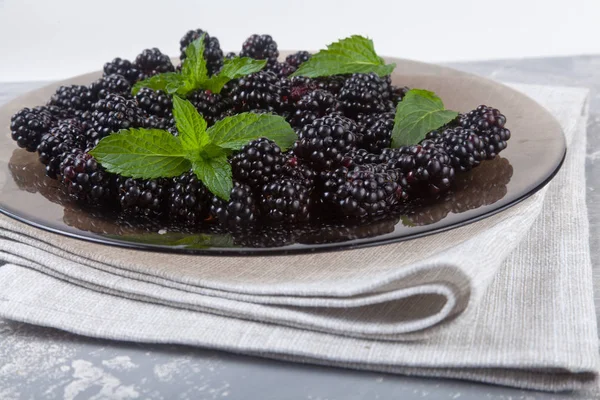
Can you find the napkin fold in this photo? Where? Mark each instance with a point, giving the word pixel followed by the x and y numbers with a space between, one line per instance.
pixel 506 300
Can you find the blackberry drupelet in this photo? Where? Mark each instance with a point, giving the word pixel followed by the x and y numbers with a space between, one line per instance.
pixel 188 199
pixel 298 58
pixel 60 141
pixel 114 113
pixel 285 200
pixel 365 93
pixel 75 99
pixel 260 47
pixel 124 68
pixel 324 142
pixel 155 102
pixel 111 84
pixel 261 90
pixel 364 190
pixel 210 105
pixel 144 197
pixel 313 105
pixel 465 148
pixel 489 124
pixel 239 212
pixel 257 163
pixel 85 179
pixel 212 49
pixel 152 62
pixel 28 126
pixel 377 134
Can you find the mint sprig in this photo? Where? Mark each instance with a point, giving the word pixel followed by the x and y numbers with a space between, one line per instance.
pixel 155 153
pixel 419 113
pixel 355 54
pixel 194 73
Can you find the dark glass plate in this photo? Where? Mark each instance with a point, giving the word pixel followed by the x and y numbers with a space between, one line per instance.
pixel 534 155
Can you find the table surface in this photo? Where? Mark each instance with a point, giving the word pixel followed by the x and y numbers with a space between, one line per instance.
pixel 37 362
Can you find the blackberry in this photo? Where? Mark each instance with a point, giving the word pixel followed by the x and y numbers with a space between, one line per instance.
pixel 488 123
pixel 29 125
pixel 257 162
pixel 188 199
pixel 60 141
pixel 142 196
pixel 294 169
pixel 333 84
pixel 85 179
pixel 324 142
pixel 281 69
pixel 75 99
pixel 111 84
pixel 166 124
pixel 313 105
pixel 261 90
pixel 231 55
pixel 239 212
pixel 124 68
pixel 114 113
pixel 465 148
pixel 210 105
pixel 377 134
pixel 212 49
pixel 285 200
pixel 362 157
pixel 397 93
pixel 298 58
pixel 362 191
pixel 260 47
pixel 268 235
pixel 300 86
pixel 155 102
pixel 365 93
pixel 152 62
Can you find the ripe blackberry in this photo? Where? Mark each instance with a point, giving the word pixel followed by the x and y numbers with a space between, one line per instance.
pixel 114 113
pixel 231 55
pixel 300 86
pixel 155 102
pixel 60 141
pixel 324 142
pixel 397 93
pixel 263 236
pixel 85 179
pixel 488 123
pixel 260 47
pixel 166 124
pixel 152 62
pixel 464 147
pixel 313 105
pixel 365 93
pixel 377 134
pixel 111 84
pixel 257 162
pixel 261 90
pixel 363 191
pixel 188 199
pixel 28 126
pixel 124 68
pixel 333 84
pixel 281 69
pixel 239 212
pixel 294 169
pixel 210 105
pixel 362 157
pixel 285 200
pixel 212 49
pixel 142 196
pixel 298 58
pixel 75 99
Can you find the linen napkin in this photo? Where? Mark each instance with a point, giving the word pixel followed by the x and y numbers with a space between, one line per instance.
pixel 506 300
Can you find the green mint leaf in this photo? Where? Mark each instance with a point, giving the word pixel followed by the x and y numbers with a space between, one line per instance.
pixel 190 124
pixel 234 132
pixel 193 68
pixel 169 82
pixel 215 173
pixel 233 69
pixel 419 113
pixel 142 153
pixel 354 54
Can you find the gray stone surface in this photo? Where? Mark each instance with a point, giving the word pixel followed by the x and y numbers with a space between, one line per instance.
pixel 38 362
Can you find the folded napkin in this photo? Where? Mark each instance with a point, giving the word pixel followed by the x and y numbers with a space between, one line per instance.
pixel 505 300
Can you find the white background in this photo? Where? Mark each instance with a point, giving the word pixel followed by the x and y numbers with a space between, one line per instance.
pixel 51 39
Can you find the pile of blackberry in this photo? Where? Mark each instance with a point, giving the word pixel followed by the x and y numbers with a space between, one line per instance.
pixel 341 168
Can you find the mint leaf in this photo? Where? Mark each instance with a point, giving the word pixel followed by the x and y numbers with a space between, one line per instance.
pixel 419 112
pixel 234 132
pixel 215 173
pixel 190 124
pixel 354 54
pixel 142 153
pixel 193 68
pixel 169 82
pixel 233 69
